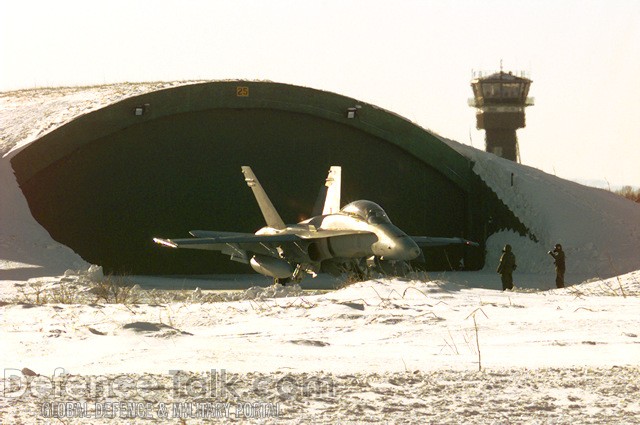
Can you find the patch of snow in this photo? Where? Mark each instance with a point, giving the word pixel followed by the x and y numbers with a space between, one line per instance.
pixel 26 248
pixel 531 257
pixel 599 230
pixel 26 115
pixel 397 346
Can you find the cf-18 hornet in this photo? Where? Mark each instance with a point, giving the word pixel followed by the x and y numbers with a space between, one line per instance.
pixel 336 240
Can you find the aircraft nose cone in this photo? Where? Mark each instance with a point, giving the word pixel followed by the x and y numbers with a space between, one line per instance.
pixel 404 249
pixel 411 249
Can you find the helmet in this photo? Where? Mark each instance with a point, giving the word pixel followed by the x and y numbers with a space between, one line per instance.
pixel 558 247
pixel 507 248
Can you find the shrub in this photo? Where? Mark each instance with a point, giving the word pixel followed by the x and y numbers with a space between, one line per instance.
pixel 629 193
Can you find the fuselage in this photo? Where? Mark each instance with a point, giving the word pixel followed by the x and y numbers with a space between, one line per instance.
pixel 368 232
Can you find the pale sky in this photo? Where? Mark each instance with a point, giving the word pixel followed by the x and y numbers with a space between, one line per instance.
pixel 414 58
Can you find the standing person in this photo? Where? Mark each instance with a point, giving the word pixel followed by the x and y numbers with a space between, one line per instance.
pixel 506 267
pixel 558 256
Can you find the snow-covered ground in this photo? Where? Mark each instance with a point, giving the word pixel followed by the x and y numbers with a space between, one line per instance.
pixel 374 326
pixel 401 351
pixel 376 351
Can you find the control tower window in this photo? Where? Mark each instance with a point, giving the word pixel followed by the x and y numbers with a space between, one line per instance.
pixel 511 89
pixel 491 89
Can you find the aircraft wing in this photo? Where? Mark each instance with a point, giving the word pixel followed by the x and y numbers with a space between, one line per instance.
pixel 428 241
pixel 239 246
pixel 221 235
pixel 236 237
pixel 219 242
pixel 319 234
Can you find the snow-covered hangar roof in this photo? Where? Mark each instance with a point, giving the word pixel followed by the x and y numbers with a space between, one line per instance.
pixel 241 95
pixel 168 161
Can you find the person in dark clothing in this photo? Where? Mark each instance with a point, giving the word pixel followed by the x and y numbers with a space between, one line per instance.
pixel 558 256
pixel 506 267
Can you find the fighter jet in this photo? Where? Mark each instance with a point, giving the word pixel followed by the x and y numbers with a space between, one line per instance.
pixel 336 240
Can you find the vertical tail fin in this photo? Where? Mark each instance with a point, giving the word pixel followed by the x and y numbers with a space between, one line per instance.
pixel 270 214
pixel 333 182
pixel 328 201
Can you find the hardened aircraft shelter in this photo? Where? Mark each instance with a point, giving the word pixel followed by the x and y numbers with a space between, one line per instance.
pixel 166 162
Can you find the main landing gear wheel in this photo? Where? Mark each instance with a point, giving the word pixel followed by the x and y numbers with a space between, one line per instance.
pixel 281 281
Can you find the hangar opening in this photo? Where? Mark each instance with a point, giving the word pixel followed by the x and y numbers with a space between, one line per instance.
pixel 166 162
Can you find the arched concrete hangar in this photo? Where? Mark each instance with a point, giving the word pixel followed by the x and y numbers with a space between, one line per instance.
pixel 166 162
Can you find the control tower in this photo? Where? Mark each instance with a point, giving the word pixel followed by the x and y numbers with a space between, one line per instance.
pixel 500 99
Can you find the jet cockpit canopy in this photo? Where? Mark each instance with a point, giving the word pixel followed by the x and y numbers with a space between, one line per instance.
pixel 368 211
